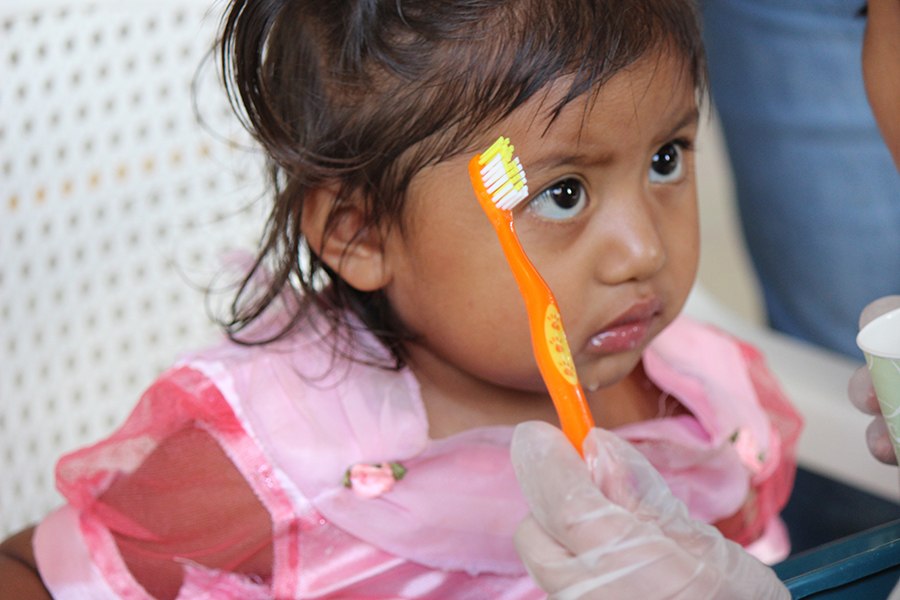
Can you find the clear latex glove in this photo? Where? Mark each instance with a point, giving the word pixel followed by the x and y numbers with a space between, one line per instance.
pixel 862 394
pixel 612 529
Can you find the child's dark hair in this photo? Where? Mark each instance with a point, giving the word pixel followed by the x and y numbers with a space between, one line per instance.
pixel 363 94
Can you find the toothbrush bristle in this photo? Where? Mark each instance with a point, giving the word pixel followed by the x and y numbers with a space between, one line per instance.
pixel 503 175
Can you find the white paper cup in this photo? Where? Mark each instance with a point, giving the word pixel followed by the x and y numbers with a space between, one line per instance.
pixel 880 342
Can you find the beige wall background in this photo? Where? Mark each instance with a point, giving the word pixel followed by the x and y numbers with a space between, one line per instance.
pixel 725 269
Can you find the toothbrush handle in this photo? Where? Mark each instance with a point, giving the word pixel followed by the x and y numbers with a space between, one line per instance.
pixel 548 338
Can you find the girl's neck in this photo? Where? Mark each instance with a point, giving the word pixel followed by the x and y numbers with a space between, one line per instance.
pixel 633 399
pixel 457 404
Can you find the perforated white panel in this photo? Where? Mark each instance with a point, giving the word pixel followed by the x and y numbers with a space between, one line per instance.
pixel 116 208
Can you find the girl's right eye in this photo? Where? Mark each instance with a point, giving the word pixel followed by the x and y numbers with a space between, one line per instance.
pixel 563 200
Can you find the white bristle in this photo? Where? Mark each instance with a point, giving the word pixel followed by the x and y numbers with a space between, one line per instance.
pixel 512 199
pixel 501 186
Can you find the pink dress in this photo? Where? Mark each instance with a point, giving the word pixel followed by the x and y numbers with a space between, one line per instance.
pixel 230 478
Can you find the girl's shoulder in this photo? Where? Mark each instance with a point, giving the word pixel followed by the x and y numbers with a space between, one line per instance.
pixel 739 433
pixel 709 366
pixel 730 374
pixel 708 372
pixel 312 410
pixel 724 382
pixel 351 440
pixel 306 367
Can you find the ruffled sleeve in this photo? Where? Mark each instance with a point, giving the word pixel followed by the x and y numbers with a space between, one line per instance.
pixel 228 481
pixel 176 501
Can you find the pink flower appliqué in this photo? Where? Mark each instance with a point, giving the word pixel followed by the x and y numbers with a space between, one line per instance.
pixel 371 481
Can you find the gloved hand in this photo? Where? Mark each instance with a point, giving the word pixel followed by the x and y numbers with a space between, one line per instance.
pixel 862 394
pixel 610 527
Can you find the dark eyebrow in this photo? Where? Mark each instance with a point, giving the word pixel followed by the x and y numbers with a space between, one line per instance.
pixel 554 160
pixel 690 117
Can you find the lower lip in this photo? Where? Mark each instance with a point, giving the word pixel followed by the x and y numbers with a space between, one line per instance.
pixel 621 338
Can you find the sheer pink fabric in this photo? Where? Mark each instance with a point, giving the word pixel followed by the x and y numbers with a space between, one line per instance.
pixel 227 480
pixel 180 486
pixel 735 456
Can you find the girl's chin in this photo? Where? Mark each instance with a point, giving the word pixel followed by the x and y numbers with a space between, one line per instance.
pixel 610 371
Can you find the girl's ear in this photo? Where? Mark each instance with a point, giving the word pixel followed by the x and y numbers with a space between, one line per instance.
pixel 351 249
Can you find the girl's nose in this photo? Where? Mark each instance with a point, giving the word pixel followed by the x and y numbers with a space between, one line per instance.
pixel 631 247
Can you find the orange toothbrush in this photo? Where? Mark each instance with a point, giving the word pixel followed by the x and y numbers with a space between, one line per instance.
pixel 499 182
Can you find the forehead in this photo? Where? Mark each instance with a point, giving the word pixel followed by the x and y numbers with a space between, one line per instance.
pixel 637 110
pixel 653 97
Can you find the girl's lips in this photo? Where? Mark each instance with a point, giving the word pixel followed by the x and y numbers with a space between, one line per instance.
pixel 628 331
pixel 620 339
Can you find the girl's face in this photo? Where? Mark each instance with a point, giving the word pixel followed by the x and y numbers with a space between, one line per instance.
pixel 611 225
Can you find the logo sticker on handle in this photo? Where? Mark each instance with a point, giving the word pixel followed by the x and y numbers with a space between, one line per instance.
pixel 559 347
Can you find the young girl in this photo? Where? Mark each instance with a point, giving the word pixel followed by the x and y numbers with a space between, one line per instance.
pixel 352 439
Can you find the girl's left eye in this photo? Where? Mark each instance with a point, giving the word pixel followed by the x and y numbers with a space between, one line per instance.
pixel 563 200
pixel 667 165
